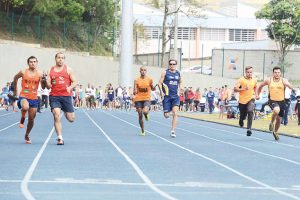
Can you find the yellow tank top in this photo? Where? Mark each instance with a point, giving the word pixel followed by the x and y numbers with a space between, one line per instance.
pixel 246 95
pixel 276 90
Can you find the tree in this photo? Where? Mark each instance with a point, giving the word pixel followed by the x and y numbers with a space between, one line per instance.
pixel 283 17
pixel 54 10
pixel 187 7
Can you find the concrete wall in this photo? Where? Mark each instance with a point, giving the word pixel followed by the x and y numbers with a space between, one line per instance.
pixel 88 69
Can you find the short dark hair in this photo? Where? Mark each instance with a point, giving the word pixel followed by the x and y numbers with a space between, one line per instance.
pixel 31 57
pixel 172 59
pixel 60 53
pixel 276 68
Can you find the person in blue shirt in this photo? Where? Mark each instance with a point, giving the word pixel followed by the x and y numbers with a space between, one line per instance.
pixel 210 97
pixel 170 85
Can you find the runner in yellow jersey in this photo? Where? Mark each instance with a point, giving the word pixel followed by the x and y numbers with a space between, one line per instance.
pixel 142 90
pixel 246 87
pixel 276 85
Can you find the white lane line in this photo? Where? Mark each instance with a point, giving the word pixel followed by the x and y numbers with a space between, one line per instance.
pixel 7 114
pixel 216 129
pixel 215 161
pixel 24 184
pixel 9 126
pixel 132 163
pixel 232 144
pixel 179 185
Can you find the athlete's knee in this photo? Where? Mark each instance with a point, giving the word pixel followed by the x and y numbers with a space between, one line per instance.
pixel 25 105
pixel 70 117
pixel 276 110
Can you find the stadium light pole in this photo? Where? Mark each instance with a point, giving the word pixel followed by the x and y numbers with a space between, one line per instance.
pixel 176 30
pixel 125 78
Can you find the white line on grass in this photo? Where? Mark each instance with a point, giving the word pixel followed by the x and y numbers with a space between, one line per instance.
pixel 132 163
pixel 215 161
pixel 24 183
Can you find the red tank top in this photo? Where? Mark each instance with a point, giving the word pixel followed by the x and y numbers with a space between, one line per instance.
pixel 30 84
pixel 60 81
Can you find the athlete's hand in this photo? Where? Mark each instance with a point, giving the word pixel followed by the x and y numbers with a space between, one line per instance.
pixel 69 89
pixel 257 97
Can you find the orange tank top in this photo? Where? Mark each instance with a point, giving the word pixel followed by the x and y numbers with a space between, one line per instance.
pixel 30 85
pixel 276 90
pixel 143 89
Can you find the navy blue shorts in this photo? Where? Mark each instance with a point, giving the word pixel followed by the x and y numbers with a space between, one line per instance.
pixel 65 103
pixel 33 103
pixel 142 104
pixel 169 102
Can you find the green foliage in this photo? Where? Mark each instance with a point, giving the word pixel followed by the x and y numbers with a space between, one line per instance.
pixel 284 20
pixel 71 10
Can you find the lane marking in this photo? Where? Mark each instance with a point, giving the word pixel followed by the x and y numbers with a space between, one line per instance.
pixel 214 161
pixel 7 114
pixel 9 126
pixel 24 184
pixel 132 163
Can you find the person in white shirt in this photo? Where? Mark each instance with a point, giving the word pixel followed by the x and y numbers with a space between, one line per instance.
pixel 45 97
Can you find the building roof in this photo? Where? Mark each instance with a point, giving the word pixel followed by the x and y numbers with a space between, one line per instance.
pixel 209 22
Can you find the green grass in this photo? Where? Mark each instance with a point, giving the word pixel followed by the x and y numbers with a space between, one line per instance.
pixel 291 129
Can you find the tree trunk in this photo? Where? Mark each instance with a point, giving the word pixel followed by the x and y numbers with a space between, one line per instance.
pixel 164 30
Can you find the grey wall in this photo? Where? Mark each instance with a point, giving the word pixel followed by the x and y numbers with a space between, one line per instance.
pixel 88 69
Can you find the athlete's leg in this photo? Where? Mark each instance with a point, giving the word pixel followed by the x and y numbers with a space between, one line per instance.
pixel 57 121
pixel 31 116
pixel 174 120
pixel 250 109
pixel 24 105
pixel 140 114
pixel 70 116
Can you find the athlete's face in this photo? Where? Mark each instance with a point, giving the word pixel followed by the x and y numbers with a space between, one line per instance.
pixel 32 63
pixel 249 73
pixel 276 73
pixel 172 65
pixel 60 59
pixel 143 71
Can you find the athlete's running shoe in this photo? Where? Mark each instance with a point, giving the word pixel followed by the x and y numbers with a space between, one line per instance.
pixel 147 117
pixel 21 124
pixel 27 140
pixel 173 135
pixel 276 136
pixel 271 126
pixel 143 134
pixel 249 132
pixel 60 142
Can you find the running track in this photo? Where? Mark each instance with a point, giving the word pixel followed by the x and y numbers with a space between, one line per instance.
pixel 104 157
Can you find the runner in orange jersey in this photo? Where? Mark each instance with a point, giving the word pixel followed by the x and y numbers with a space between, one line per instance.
pixel 28 100
pixel 142 92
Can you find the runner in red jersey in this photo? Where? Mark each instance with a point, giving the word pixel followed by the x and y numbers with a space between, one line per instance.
pixel 61 80
pixel 28 100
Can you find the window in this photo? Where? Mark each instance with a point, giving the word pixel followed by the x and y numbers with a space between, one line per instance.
pixel 152 32
pixel 242 35
pixel 186 33
pixel 213 34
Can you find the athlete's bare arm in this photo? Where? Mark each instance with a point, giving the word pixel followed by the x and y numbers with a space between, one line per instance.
pixel 263 84
pixel 151 85
pixel 237 87
pixel 161 80
pixel 72 78
pixel 180 86
pixel 47 82
pixel 287 84
pixel 16 78
pixel 134 88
